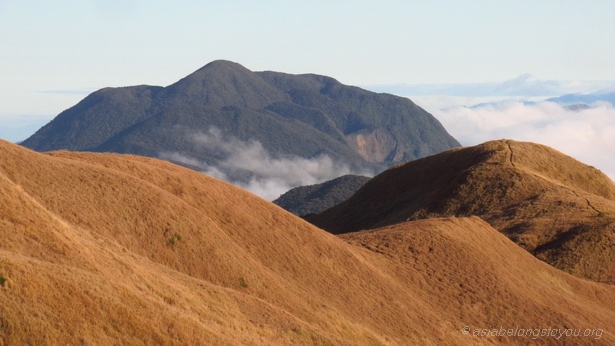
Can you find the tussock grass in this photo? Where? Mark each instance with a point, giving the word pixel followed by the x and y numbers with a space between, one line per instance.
pixel 84 245
pixel 555 207
pixel 466 264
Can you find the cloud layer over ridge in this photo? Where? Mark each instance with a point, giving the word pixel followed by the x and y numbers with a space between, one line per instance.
pixel 587 134
pixel 250 166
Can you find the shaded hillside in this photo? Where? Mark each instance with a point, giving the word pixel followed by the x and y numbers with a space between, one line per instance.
pixel 313 199
pixel 555 207
pixel 110 249
pixel 301 115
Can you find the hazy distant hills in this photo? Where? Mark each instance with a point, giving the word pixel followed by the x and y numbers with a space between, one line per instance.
pixel 299 115
pixel 555 207
pixel 313 199
pixel 584 99
pixel 121 249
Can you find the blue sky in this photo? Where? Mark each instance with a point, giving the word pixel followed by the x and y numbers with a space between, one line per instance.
pixel 53 53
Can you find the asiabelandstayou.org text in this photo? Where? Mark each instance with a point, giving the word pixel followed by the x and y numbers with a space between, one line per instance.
pixel 534 333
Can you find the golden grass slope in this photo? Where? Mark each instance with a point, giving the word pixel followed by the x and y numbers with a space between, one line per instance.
pixel 474 276
pixel 112 249
pixel 557 208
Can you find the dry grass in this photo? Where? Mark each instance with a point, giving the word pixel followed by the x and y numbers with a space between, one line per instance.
pixel 557 208
pixel 464 270
pixel 86 258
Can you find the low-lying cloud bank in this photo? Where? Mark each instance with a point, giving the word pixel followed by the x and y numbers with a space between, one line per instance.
pixel 473 113
pixel 265 175
pixel 588 135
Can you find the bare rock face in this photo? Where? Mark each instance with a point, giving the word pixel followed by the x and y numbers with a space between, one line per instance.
pixel 376 145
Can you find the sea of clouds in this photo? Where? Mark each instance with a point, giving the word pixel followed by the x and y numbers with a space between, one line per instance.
pixel 472 113
pixel 271 176
pixel 587 134
pixel 584 133
pixel 518 109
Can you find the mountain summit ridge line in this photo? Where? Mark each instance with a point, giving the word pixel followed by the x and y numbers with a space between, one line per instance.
pixel 305 115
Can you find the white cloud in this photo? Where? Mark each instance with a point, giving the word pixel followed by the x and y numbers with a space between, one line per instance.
pixel 269 176
pixel 587 135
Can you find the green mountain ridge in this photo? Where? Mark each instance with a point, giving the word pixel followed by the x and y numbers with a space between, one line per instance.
pixel 316 198
pixel 299 115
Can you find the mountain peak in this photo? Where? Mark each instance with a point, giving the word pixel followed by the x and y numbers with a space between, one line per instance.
pixel 226 83
pixel 289 115
pixel 224 66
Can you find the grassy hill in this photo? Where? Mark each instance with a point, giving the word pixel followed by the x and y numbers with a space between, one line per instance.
pixel 555 207
pixel 118 249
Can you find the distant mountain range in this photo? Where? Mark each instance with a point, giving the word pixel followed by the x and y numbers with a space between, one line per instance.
pixel 110 249
pixel 568 101
pixel 586 99
pixel 555 207
pixel 305 116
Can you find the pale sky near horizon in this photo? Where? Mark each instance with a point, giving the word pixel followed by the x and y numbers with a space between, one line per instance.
pixel 54 53
pixel 362 42
pixel 52 47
